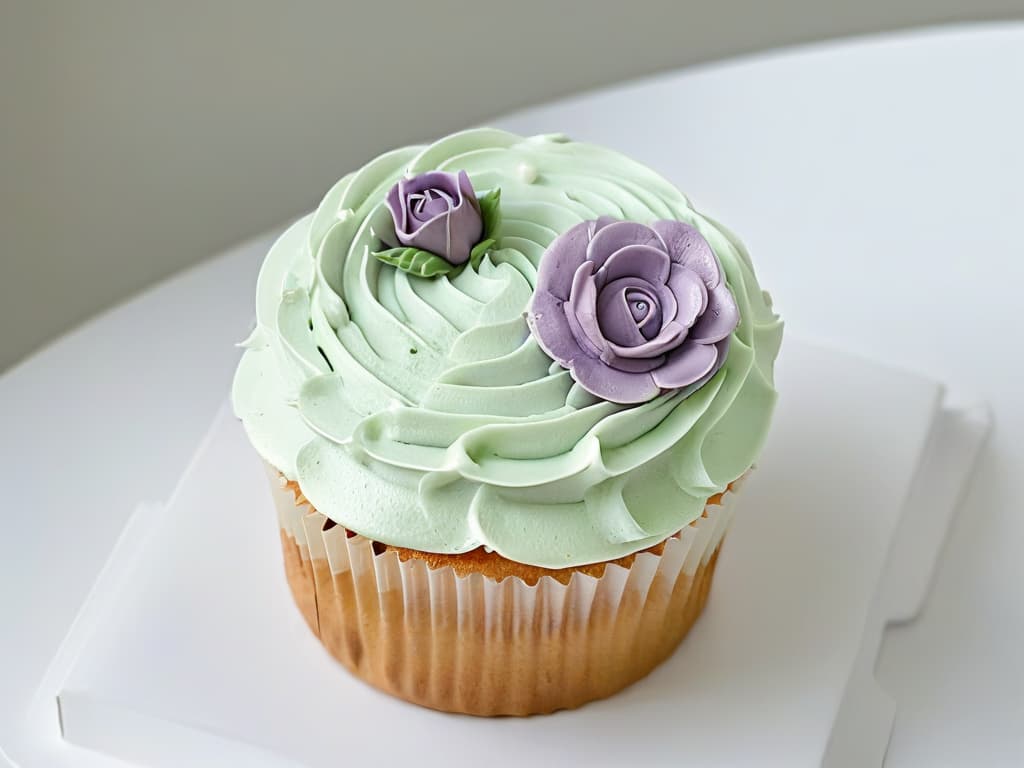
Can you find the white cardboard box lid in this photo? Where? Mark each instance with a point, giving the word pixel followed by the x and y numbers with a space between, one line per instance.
pixel 194 653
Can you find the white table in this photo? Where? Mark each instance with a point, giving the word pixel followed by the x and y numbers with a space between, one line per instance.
pixel 880 186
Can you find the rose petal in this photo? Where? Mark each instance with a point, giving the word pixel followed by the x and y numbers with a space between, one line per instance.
pixel 687 364
pixel 394 204
pixel 404 226
pixel 562 258
pixel 635 365
pixel 442 180
pixel 688 247
pixel 466 229
pixel 465 187
pixel 616 235
pixel 723 350
pixel 637 261
pixel 613 385
pixel 668 304
pixel 432 236
pixel 434 202
pixel 640 302
pixel 670 337
pixel 614 316
pixel 720 318
pixel 550 326
pixel 581 309
pixel 649 322
pixel 690 293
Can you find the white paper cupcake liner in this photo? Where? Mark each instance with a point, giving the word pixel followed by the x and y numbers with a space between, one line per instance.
pixel 473 644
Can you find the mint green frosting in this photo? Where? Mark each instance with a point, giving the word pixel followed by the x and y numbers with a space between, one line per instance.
pixel 420 412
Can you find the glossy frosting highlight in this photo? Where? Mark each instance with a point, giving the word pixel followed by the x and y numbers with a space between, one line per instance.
pixel 421 412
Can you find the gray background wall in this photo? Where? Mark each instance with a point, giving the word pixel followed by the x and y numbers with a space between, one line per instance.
pixel 137 137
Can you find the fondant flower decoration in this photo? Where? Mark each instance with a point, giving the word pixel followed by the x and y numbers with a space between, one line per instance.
pixel 440 224
pixel 633 310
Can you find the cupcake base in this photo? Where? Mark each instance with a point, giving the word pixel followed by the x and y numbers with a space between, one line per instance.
pixel 480 645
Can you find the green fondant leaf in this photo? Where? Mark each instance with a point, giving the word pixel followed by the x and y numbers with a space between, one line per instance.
pixel 490 212
pixel 477 254
pixel 415 262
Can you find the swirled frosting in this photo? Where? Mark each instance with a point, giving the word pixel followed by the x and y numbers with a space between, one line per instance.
pixel 421 412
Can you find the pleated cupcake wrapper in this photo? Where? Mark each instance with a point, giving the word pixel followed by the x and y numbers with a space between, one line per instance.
pixel 473 644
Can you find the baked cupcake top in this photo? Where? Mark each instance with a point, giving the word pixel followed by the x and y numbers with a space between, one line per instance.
pixel 532 345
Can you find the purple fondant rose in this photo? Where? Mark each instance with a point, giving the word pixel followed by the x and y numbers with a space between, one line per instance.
pixel 436 212
pixel 633 310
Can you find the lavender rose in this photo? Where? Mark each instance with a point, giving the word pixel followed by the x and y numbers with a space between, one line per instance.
pixel 436 212
pixel 633 310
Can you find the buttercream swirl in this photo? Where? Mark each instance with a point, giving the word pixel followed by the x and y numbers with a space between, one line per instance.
pixel 422 412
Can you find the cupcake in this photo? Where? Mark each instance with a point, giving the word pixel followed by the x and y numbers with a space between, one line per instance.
pixel 507 390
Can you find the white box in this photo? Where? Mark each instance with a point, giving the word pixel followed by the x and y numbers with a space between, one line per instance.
pixel 199 656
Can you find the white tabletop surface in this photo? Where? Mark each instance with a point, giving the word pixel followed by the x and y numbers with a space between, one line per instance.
pixel 880 187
